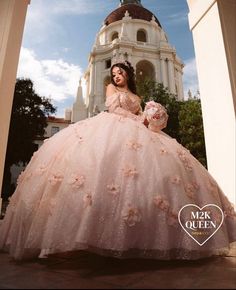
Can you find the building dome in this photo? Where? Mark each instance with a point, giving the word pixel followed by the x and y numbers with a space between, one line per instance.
pixel 136 11
pixel 132 33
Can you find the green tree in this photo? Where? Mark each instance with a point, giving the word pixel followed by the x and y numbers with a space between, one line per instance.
pixel 28 121
pixel 185 117
pixel 191 130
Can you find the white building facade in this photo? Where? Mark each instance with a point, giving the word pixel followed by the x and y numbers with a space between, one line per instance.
pixel 213 22
pixel 133 33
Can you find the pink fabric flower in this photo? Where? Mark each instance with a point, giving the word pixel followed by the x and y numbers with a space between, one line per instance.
pixel 163 151
pixel 132 216
pixel 76 180
pixel 175 179
pixel 132 144
pixel 113 189
pixel 190 190
pixel 182 155
pixel 130 171
pixel 42 168
pixel 55 178
pixel 195 185
pixel 161 203
pixel 185 160
pixel 172 218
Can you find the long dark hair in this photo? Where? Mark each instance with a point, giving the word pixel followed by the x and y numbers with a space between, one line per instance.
pixel 130 73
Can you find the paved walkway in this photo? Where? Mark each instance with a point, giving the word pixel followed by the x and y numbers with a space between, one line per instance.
pixel 82 270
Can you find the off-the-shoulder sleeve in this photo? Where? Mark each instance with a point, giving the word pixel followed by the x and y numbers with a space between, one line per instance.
pixel 112 102
pixel 114 106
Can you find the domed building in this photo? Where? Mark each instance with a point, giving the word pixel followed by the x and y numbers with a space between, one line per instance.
pixel 133 33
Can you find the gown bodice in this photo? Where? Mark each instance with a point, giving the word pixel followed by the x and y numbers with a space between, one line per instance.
pixel 125 102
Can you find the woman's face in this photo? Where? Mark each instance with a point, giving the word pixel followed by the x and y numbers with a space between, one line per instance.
pixel 119 76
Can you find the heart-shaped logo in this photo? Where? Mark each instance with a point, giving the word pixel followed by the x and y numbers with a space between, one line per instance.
pixel 201 223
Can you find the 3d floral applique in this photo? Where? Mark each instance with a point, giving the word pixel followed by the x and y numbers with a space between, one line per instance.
pixel 113 189
pixel 134 145
pixel 87 199
pixel 190 189
pixel 161 203
pixel 185 160
pixel 163 151
pixel 102 219
pixel 172 218
pixel 175 180
pixel 41 169
pixel 130 171
pixel 76 180
pixel 131 215
pixel 195 185
pixel 55 178
pixel 188 166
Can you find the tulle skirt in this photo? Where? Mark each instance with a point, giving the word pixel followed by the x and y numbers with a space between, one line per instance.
pixel 109 185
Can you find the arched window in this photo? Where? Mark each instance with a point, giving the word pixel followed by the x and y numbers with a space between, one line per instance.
pixel 145 70
pixel 114 36
pixel 108 63
pixel 141 36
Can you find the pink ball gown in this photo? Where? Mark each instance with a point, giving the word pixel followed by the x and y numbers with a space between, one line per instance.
pixel 110 185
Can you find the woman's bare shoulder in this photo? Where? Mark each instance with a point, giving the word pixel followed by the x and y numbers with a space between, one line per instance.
pixel 111 89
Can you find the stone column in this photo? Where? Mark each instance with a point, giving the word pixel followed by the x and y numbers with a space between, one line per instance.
pixel 171 76
pixel 180 86
pixel 91 87
pixel 12 20
pixel 92 78
pixel 98 83
pixel 213 25
pixel 164 72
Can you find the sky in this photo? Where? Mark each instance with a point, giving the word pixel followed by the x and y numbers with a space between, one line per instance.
pixel 59 35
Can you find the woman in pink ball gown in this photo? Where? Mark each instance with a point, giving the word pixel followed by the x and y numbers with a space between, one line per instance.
pixel 115 184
